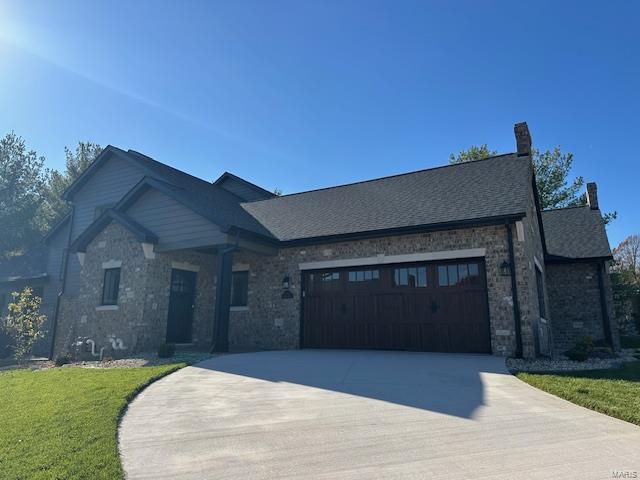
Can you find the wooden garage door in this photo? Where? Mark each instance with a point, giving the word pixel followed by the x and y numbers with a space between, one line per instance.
pixel 436 306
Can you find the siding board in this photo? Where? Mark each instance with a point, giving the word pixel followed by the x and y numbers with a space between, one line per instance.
pixel 173 223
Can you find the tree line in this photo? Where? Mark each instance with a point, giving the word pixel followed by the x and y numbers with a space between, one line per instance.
pixel 552 169
pixel 31 200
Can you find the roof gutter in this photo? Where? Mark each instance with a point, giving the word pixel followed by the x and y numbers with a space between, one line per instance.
pixel 559 259
pixel 431 227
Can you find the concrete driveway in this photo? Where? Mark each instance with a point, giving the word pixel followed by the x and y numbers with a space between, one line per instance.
pixel 365 415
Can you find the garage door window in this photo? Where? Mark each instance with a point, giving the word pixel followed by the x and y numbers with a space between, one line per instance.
pixel 364 275
pixel 458 274
pixel 410 277
pixel 324 282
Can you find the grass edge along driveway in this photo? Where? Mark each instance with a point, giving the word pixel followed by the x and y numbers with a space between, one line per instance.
pixel 62 423
pixel 614 392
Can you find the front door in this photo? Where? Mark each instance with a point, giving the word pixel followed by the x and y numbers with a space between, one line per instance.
pixel 181 304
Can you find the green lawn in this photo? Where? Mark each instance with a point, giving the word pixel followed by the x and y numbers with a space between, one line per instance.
pixel 614 392
pixel 61 423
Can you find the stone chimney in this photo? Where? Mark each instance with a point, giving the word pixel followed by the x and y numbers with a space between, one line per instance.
pixel 523 139
pixel 592 195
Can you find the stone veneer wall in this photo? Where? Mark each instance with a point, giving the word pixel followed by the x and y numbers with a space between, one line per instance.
pixel 271 322
pixel 143 300
pixel 535 328
pixel 575 300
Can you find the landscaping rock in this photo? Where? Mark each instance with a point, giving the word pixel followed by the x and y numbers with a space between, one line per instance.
pixel 562 364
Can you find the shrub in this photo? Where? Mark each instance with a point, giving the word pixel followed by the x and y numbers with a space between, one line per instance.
pixel 166 350
pixel 62 360
pixel 581 350
pixel 24 322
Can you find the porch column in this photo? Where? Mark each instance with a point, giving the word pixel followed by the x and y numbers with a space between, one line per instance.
pixel 223 300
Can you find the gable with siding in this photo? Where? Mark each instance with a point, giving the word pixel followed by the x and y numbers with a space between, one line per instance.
pixel 242 188
pixel 175 225
pixel 105 187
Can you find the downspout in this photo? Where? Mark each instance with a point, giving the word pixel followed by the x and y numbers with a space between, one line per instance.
pixel 54 329
pixel 606 324
pixel 514 291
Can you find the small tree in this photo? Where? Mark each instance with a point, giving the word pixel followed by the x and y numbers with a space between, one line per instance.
pixel 474 152
pixel 23 181
pixel 24 321
pixel 626 281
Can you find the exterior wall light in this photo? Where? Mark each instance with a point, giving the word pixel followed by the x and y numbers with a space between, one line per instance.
pixel 286 284
pixel 505 268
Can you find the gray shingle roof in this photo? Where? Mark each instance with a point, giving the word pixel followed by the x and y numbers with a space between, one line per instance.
pixel 493 187
pixel 575 233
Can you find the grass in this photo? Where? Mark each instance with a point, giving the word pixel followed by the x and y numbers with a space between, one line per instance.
pixel 613 392
pixel 62 423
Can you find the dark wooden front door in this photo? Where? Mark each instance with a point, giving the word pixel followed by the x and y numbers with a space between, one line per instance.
pixel 436 306
pixel 181 304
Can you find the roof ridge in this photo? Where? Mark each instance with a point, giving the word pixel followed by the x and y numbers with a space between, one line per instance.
pixel 176 170
pixel 493 157
pixel 227 173
pixel 548 210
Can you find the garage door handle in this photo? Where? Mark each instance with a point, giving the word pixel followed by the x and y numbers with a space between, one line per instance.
pixel 434 307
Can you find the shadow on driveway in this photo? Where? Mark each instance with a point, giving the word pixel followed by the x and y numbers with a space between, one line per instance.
pixel 443 383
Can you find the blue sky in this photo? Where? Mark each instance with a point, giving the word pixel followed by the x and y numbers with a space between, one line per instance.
pixel 304 94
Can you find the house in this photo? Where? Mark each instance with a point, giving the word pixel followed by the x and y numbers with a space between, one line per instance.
pixel 41 269
pixel 458 258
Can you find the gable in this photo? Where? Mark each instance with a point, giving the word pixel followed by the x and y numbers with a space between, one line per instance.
pixel 241 188
pixel 106 185
pixel 575 233
pixel 175 225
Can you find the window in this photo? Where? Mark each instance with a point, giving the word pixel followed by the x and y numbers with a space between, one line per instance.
pixel 111 286
pixel 330 276
pixel 364 275
pixel 410 277
pixel 458 274
pixel 541 304
pixel 320 282
pixel 239 288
